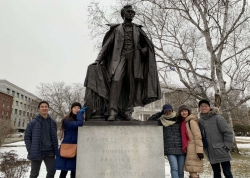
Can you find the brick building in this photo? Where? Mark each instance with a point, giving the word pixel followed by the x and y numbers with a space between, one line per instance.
pixel 6 102
pixel 24 106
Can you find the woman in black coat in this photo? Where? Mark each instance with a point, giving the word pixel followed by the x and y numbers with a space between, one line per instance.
pixel 172 140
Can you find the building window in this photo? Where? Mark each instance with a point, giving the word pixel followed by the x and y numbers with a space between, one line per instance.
pixel 24 106
pixel 15 123
pixel 15 111
pixel 25 98
pixel 24 113
pixel 7 115
pixel 23 124
pixel 8 105
pixel 2 114
pixel 22 97
pixel 19 123
pixel 28 114
pixel 3 103
pixel 21 104
pixel 17 95
pixel 20 112
pixel 16 103
pixel 8 90
pixel 13 93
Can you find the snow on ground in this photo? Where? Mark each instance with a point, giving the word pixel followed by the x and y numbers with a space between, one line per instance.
pixel 20 149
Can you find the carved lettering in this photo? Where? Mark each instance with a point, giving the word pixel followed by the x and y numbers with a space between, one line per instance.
pixel 122 140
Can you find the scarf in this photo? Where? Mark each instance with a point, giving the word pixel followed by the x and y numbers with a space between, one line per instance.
pixel 168 120
pixel 184 135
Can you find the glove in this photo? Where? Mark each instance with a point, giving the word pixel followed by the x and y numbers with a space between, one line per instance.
pixel 200 155
pixel 83 109
pixel 226 148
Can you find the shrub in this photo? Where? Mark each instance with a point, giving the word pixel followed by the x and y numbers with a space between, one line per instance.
pixel 240 130
pixel 12 166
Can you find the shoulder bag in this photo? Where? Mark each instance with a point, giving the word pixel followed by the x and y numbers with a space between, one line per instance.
pixel 68 150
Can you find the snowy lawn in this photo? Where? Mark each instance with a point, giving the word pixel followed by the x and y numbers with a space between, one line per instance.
pixel 240 163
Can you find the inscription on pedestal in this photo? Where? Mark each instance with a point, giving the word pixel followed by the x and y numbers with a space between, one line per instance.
pixel 120 152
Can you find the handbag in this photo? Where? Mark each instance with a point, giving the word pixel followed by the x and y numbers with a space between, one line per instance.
pixel 68 150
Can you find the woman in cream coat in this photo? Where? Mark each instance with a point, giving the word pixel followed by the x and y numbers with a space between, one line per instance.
pixel 191 141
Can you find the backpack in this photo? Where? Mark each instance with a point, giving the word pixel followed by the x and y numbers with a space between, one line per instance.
pixel 203 134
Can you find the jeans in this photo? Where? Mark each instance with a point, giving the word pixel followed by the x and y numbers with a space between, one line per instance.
pixel 49 161
pixel 64 174
pixel 226 167
pixel 176 165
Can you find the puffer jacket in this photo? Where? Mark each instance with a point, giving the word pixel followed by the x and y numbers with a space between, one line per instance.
pixel 70 136
pixel 33 137
pixel 171 136
pixel 219 135
pixel 192 162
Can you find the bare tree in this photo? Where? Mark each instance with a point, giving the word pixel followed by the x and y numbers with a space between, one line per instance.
pixel 60 96
pixel 204 45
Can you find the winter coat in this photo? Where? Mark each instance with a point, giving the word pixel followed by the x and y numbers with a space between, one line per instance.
pixel 171 136
pixel 33 137
pixel 193 162
pixel 70 136
pixel 219 135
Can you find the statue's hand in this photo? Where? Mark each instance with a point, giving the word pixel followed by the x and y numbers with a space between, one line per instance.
pixel 96 63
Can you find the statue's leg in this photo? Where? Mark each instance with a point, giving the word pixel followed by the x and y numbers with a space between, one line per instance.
pixel 114 98
pixel 115 90
pixel 129 77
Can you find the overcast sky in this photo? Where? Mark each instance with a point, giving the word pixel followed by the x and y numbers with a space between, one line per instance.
pixel 44 41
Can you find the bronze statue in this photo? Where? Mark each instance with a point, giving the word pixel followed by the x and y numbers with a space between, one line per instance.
pixel 124 74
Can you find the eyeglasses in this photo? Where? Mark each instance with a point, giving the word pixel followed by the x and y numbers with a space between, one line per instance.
pixel 204 106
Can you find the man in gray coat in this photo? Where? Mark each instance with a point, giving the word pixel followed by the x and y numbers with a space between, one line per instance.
pixel 219 137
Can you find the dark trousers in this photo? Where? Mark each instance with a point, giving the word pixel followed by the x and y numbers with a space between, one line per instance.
pixel 123 77
pixel 226 167
pixel 49 161
pixel 64 174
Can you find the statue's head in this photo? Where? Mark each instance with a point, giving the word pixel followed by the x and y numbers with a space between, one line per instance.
pixel 127 12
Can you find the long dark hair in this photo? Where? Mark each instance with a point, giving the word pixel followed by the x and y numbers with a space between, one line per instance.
pixel 68 117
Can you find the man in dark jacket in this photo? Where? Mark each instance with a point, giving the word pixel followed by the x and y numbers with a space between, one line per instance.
pixel 128 56
pixel 219 137
pixel 41 141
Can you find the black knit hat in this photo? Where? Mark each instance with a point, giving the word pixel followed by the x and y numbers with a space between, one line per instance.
pixel 204 101
pixel 76 104
pixel 184 107
pixel 167 107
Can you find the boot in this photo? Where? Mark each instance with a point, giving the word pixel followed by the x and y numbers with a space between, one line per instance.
pixel 112 116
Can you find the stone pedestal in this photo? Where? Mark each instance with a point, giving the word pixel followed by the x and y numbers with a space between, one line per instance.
pixel 131 149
